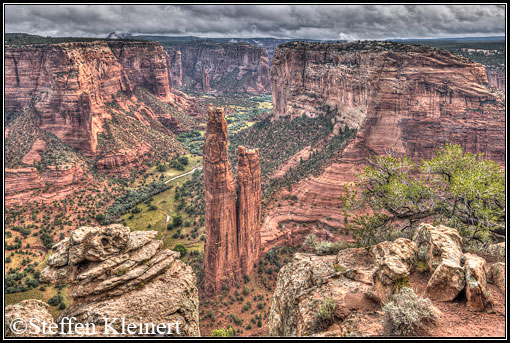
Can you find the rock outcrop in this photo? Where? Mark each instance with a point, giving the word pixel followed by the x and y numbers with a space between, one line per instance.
pixel 24 184
pixel 352 280
pixel 441 249
pixel 357 277
pixel 18 316
pixel 496 275
pixel 476 282
pixel 231 67
pixel 177 70
pixel 232 242
pixel 401 98
pixel 116 273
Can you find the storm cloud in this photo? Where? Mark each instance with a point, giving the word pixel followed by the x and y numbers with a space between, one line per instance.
pixel 279 21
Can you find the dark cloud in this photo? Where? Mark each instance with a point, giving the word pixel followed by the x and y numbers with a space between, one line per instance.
pixel 280 21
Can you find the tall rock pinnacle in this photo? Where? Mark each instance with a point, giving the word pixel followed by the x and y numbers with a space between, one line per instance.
pixel 249 196
pixel 232 243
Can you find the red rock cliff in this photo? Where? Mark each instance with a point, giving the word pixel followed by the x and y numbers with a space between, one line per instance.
pixel 408 99
pixel 70 83
pixel 232 242
pixel 238 67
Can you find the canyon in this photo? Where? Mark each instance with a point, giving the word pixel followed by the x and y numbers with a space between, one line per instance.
pixel 103 115
pixel 232 244
pixel 400 98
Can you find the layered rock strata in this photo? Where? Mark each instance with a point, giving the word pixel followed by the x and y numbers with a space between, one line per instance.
pixel 238 67
pixel 116 273
pixel 69 84
pixel 406 99
pixel 232 217
pixel 72 91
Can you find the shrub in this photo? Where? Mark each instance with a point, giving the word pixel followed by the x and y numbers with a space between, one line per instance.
pixel 407 312
pixel 223 332
pixel 325 314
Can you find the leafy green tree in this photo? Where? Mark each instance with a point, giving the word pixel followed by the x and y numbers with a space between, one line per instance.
pixel 180 248
pixel 454 188
pixel 177 220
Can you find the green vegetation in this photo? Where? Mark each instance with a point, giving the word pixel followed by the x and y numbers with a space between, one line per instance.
pixel 278 140
pixel 326 313
pixel 324 247
pixel 407 312
pixel 133 198
pixel 181 249
pixel 454 188
pixel 223 332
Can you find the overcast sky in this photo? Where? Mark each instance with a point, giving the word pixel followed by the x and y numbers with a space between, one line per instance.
pixel 280 21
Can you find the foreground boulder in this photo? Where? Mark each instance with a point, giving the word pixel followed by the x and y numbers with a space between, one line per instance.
pixel 20 314
pixel 440 247
pixel 394 261
pixel 341 295
pixel 350 281
pixel 496 275
pixel 477 294
pixel 116 273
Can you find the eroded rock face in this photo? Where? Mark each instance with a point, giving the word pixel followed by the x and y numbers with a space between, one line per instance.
pixel 220 251
pixel 71 83
pixel 232 243
pixel 22 183
pixel 395 261
pixel 238 67
pixel 497 79
pixel 206 87
pixel 476 282
pixel 441 248
pixel 116 273
pixel 405 99
pixel 352 280
pixel 27 310
pixel 72 91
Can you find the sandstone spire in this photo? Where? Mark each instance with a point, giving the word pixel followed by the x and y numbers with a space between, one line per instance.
pixel 249 196
pixel 232 244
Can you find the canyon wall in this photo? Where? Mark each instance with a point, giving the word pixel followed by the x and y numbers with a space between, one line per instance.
pixel 496 78
pixel 72 91
pixel 69 84
pixel 401 98
pixel 232 240
pixel 239 67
